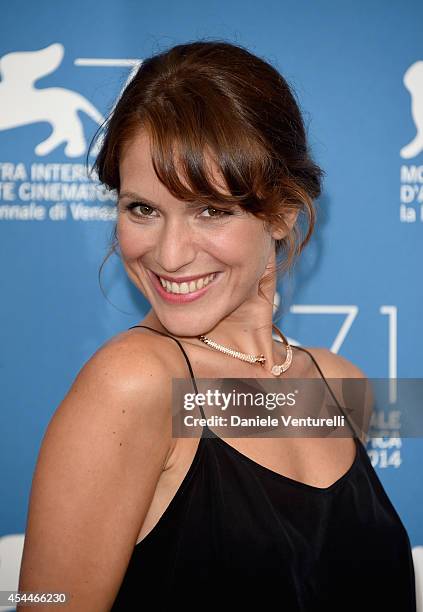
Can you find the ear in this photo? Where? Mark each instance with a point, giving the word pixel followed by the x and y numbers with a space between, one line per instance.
pixel 289 218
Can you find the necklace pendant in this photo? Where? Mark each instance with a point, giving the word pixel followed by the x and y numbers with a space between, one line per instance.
pixel 276 370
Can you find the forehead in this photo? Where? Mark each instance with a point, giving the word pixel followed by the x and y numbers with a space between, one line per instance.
pixel 135 163
pixel 136 153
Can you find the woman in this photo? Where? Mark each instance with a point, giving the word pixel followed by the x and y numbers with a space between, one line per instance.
pixel 207 151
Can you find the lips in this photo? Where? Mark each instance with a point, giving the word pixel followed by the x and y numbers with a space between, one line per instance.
pixel 183 279
pixel 181 298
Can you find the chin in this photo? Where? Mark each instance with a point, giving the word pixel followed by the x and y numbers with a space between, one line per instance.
pixel 189 328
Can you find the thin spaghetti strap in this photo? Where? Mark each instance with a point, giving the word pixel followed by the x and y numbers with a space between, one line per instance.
pixel 330 390
pixel 206 430
pixel 184 354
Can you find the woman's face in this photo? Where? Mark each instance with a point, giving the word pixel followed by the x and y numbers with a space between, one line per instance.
pixel 161 236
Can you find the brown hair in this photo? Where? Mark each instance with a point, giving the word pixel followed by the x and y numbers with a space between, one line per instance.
pixel 219 98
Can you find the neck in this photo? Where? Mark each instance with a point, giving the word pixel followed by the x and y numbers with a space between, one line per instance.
pixel 250 338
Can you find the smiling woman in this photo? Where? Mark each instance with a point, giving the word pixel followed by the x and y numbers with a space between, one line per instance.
pixel 207 152
pixel 193 131
pixel 161 236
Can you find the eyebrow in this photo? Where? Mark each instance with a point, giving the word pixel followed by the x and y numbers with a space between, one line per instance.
pixel 140 198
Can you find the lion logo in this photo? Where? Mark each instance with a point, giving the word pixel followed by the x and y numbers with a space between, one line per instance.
pixel 21 103
pixel 413 81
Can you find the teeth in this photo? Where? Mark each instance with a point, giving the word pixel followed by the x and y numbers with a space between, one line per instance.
pixel 172 287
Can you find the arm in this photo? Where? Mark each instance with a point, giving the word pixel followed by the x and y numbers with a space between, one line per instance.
pixel 97 470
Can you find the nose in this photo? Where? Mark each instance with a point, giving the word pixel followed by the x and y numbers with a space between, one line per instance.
pixel 175 246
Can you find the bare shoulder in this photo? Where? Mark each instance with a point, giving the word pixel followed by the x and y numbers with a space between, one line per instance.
pixel 127 372
pixel 131 343
pixel 339 371
pixel 97 470
pixel 334 365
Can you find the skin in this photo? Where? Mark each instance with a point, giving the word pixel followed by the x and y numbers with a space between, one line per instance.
pixel 172 239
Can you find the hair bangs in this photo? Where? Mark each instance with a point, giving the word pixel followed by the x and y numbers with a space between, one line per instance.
pixel 205 156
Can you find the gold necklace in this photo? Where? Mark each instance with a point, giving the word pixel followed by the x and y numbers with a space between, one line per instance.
pixel 276 370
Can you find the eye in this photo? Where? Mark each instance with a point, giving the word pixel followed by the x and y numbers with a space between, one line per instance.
pixel 220 213
pixel 145 211
pixel 144 208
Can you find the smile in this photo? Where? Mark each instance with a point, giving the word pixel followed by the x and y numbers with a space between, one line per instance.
pixel 183 292
pixel 194 285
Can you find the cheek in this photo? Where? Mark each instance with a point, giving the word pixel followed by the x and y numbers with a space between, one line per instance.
pixel 132 241
pixel 247 248
pixel 242 233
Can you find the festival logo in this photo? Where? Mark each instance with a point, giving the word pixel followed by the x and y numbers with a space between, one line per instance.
pixel 22 103
pixel 411 175
pixel 413 81
pixel 56 189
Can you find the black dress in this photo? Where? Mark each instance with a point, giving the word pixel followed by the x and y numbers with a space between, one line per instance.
pixel 238 532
